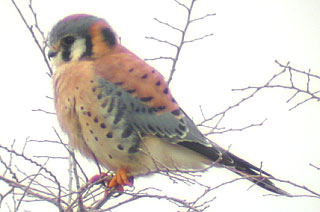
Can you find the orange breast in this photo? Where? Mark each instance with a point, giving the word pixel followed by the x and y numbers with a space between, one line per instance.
pixel 70 82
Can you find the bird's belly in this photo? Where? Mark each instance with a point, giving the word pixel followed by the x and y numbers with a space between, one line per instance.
pixel 153 155
pixel 161 155
pixel 114 148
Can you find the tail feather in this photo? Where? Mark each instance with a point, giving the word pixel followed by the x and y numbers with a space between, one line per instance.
pixel 236 165
pixel 252 173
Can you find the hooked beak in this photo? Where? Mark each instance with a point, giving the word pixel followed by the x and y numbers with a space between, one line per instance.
pixel 53 51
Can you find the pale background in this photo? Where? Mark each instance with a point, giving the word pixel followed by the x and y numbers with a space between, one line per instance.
pixel 248 36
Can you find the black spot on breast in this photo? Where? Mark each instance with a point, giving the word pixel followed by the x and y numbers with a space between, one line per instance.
pixel 96 138
pixel 93 89
pixel 87 124
pixel 176 112
pixel 91 131
pixel 165 91
pixel 127 132
pixel 109 135
pixel 146 99
pixel 145 76
pixel 103 105
pixel 110 156
pixel 120 147
pixel 153 71
pixel 99 96
pixel 81 108
pixel 173 100
pixel 96 120
pixel 133 149
pixel 103 125
pixel 131 70
pixel 89 114
pixel 109 36
pixel 158 83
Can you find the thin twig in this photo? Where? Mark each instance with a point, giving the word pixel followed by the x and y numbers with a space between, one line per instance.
pixel 30 28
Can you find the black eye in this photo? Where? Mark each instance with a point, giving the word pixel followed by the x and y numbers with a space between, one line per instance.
pixel 68 41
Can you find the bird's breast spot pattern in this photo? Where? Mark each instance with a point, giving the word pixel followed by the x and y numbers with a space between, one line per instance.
pixel 103 127
pixel 108 141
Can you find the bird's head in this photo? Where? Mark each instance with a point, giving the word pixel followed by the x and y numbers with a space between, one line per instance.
pixel 80 37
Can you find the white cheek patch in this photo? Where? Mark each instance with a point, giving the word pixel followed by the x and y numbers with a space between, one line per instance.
pixel 77 49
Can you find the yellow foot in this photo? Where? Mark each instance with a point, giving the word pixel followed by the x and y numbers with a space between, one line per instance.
pixel 120 179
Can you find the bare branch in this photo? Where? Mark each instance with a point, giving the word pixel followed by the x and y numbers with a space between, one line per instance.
pixel 314 166
pixel 30 28
pixel 215 130
pixel 183 34
pixel 173 68
pixel 200 38
pixel 41 110
pixel 183 5
pixel 169 25
pixel 305 188
pixel 160 58
pixel 203 17
pixel 310 95
pixel 58 203
pixel 70 153
pixel 162 41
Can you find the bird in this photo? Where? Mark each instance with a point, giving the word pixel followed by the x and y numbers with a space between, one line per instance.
pixel 119 111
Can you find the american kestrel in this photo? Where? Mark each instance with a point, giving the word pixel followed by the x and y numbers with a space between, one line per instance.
pixel 119 110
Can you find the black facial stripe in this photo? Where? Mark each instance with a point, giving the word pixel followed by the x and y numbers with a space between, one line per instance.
pixel 66 54
pixel 109 36
pixel 88 51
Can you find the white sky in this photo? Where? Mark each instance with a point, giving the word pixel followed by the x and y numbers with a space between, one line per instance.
pixel 248 36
